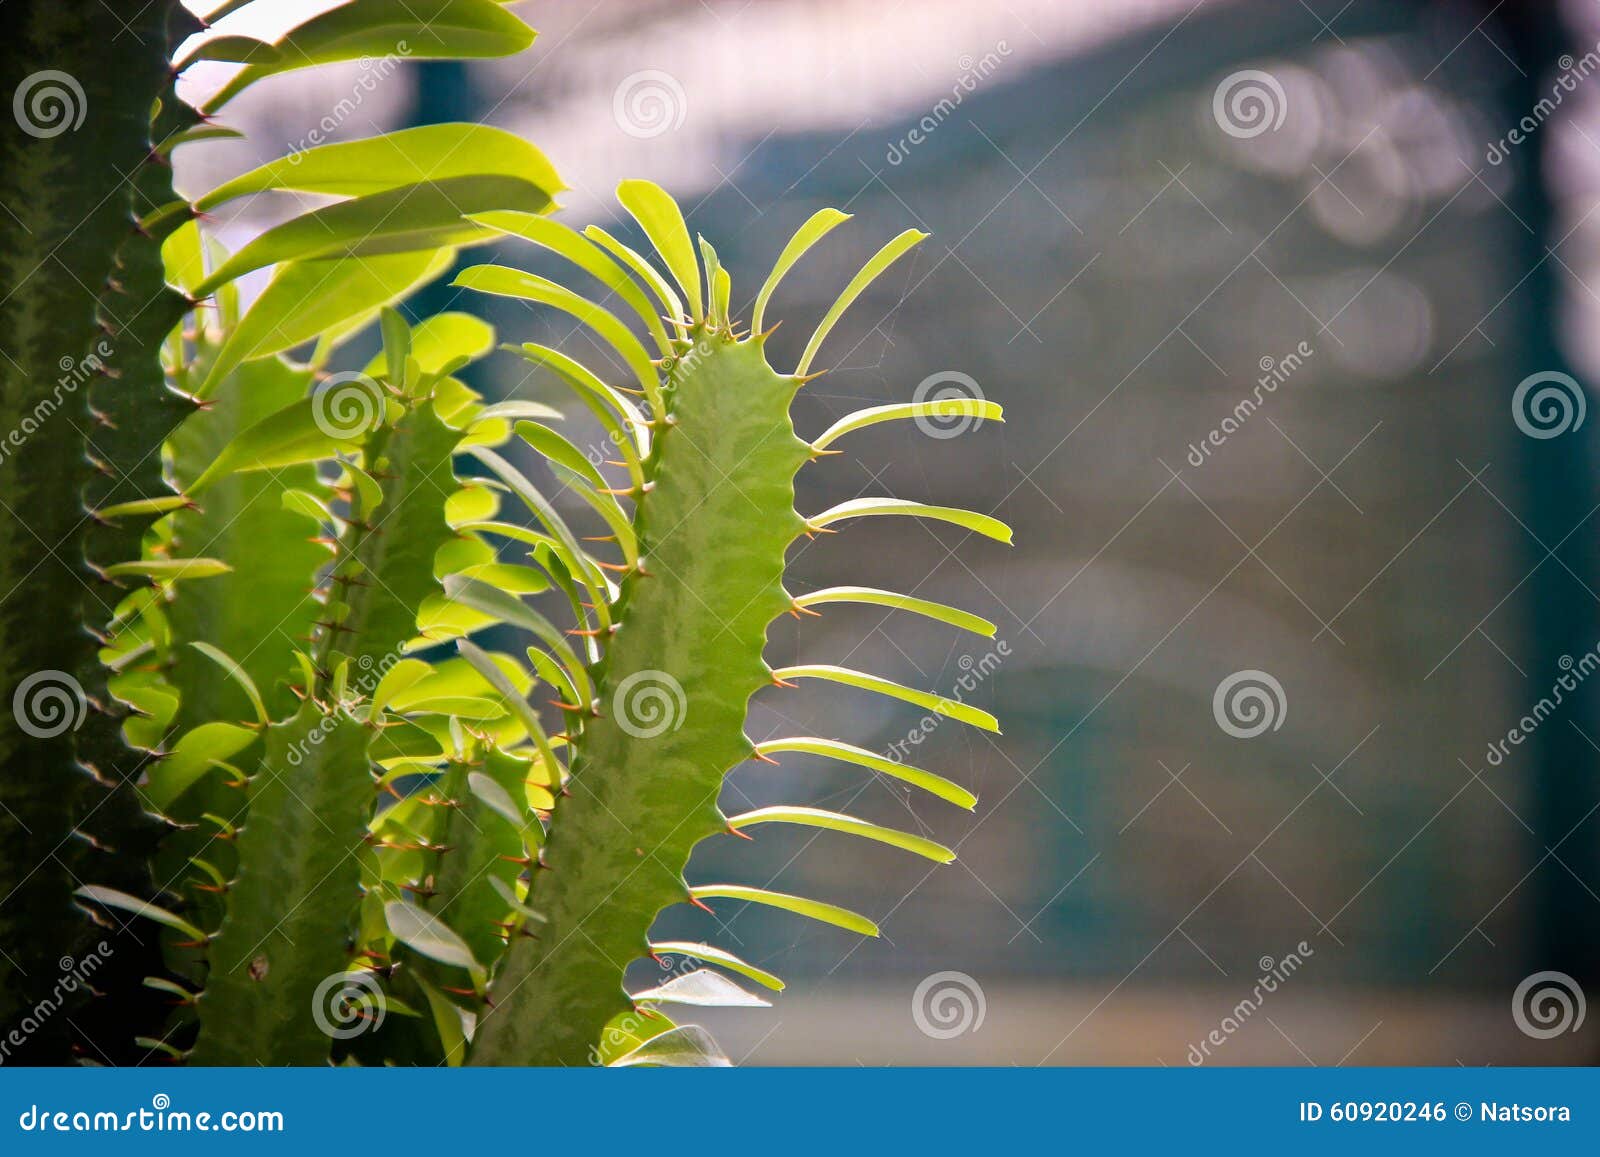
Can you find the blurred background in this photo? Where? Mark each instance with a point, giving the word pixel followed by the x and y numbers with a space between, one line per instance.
pixel 1291 307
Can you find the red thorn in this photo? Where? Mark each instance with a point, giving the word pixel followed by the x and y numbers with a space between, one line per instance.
pixel 699 903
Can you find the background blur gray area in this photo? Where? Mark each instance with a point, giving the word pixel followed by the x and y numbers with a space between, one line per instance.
pixel 1115 270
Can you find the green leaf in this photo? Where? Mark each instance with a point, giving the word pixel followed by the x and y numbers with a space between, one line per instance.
pixel 195 753
pixel 820 224
pixel 426 933
pixel 662 221
pixel 389 30
pixel 305 298
pixel 441 340
pixel 849 753
pixel 942 408
pixel 683 1047
pixel 815 909
pixel 111 898
pixel 169 569
pixel 504 282
pixel 872 595
pixel 836 822
pixel 936 703
pixel 422 216
pixel 407 157
pixel 641 268
pixel 884 258
pixel 305 431
pixel 510 609
pixel 401 677
pixel 713 955
pixel 703 989
pixel 868 507
pixel 587 256
pixel 556 448
pixel 238 674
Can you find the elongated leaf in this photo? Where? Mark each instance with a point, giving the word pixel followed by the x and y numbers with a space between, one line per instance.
pixel 837 822
pixel 818 226
pixel 421 216
pixel 942 408
pixel 587 256
pixel 662 221
pixel 701 988
pixel 304 431
pixel 195 753
pixel 936 703
pixel 684 1047
pixel 952 615
pixel 305 298
pixel 428 934
pixel 406 157
pixel 389 29
pixel 512 610
pixel 237 673
pixel 169 569
pixel 504 282
pixel 484 665
pixel 713 955
pixel 884 258
pixel 833 749
pixel 815 909
pixel 641 268
pixel 441 340
pixel 868 507
pixel 397 679
pixel 111 898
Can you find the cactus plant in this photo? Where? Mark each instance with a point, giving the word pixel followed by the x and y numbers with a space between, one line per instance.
pixel 350 831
